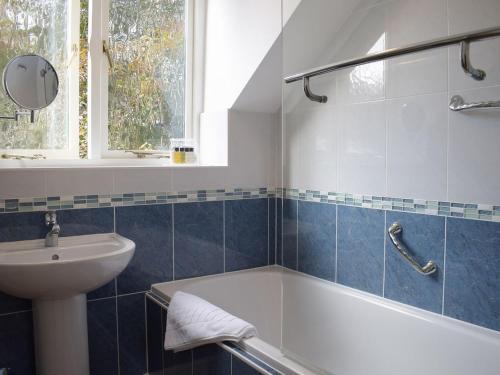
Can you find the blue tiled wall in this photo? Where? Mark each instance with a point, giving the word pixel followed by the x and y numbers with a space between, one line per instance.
pixel 467 253
pixel 173 241
pixel 344 244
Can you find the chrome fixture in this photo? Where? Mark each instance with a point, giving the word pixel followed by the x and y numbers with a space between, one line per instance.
pixel 394 230
pixel 310 95
pixel 52 238
pixel 457 104
pixel 142 154
pixel 164 304
pixel 476 74
pixel 462 39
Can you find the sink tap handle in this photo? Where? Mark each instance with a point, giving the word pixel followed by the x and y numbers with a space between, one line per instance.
pixel 50 218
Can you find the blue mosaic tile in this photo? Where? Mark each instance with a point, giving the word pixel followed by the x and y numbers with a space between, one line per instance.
pixel 472 285
pixel 211 359
pixel 316 231
pixel 360 248
pixel 279 231
pixel 86 221
pixel 103 349
pixel 150 227
pixel 424 237
pixel 10 304
pixel 22 226
pixel 17 350
pixel 289 244
pixel 246 228
pixel 272 230
pixel 105 291
pixel 154 332
pixel 198 239
pixel 131 334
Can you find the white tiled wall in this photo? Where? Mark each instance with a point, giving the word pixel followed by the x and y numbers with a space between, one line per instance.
pixel 387 128
pixel 252 152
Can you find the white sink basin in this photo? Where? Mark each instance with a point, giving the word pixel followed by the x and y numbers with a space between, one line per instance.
pixel 79 264
pixel 57 278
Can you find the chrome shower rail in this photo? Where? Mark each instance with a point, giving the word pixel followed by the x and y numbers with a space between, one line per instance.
pixel 462 39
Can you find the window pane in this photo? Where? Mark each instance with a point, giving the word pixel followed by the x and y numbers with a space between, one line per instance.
pixel 34 26
pixel 146 84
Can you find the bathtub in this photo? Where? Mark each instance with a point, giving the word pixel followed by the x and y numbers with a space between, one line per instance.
pixel 310 326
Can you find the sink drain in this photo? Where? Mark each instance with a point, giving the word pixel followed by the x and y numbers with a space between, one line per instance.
pixel 55 257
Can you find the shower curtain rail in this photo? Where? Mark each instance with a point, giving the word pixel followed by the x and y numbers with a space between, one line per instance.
pixel 462 39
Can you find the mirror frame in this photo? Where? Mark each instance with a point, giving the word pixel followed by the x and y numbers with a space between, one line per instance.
pixel 6 89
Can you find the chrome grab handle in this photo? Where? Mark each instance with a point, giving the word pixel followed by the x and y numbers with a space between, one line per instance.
pixel 457 104
pixel 394 230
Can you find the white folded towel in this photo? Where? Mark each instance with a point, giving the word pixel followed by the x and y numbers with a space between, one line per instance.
pixel 192 321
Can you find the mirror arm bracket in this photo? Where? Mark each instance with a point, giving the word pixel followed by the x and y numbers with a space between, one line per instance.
pixel 18 114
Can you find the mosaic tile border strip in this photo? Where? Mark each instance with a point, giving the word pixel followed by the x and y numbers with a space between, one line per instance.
pixel 129 199
pixel 421 206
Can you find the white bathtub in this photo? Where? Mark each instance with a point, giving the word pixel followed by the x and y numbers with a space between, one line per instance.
pixel 311 326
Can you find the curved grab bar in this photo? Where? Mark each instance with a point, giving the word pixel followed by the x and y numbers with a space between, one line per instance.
pixel 457 104
pixel 396 229
pixel 310 95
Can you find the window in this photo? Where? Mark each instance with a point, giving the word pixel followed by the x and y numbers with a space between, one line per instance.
pixel 133 97
pixel 45 28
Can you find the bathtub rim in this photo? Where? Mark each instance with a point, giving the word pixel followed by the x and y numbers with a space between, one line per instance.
pixel 343 289
pixel 288 363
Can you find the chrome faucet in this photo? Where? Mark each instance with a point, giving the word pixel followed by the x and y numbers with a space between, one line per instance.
pixel 52 237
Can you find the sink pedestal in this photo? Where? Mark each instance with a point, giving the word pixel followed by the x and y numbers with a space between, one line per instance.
pixel 61 340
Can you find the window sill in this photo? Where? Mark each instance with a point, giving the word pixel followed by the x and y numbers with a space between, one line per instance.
pixel 95 164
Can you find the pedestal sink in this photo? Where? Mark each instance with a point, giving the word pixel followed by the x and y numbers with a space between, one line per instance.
pixel 57 278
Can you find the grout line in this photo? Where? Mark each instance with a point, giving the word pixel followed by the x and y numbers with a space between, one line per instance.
pixel 444 262
pixel 132 294
pixel 276 261
pixel 101 298
pixel 336 240
pixel 385 251
pixel 163 328
pixel 117 336
pixel 14 313
pixel 268 223
pixel 297 240
pixel 146 333
pixel 173 242
pixel 224 236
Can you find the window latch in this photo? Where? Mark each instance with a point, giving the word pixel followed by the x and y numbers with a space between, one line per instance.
pixel 105 49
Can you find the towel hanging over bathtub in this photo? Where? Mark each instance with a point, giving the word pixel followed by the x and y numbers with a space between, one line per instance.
pixel 192 321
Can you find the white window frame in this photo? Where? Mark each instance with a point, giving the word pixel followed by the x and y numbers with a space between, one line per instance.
pixel 98 68
pixel 71 151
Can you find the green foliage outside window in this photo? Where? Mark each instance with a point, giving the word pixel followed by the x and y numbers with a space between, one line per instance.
pixel 146 84
pixel 26 27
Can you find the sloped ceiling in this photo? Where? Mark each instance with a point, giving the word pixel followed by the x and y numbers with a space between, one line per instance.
pixel 318 21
